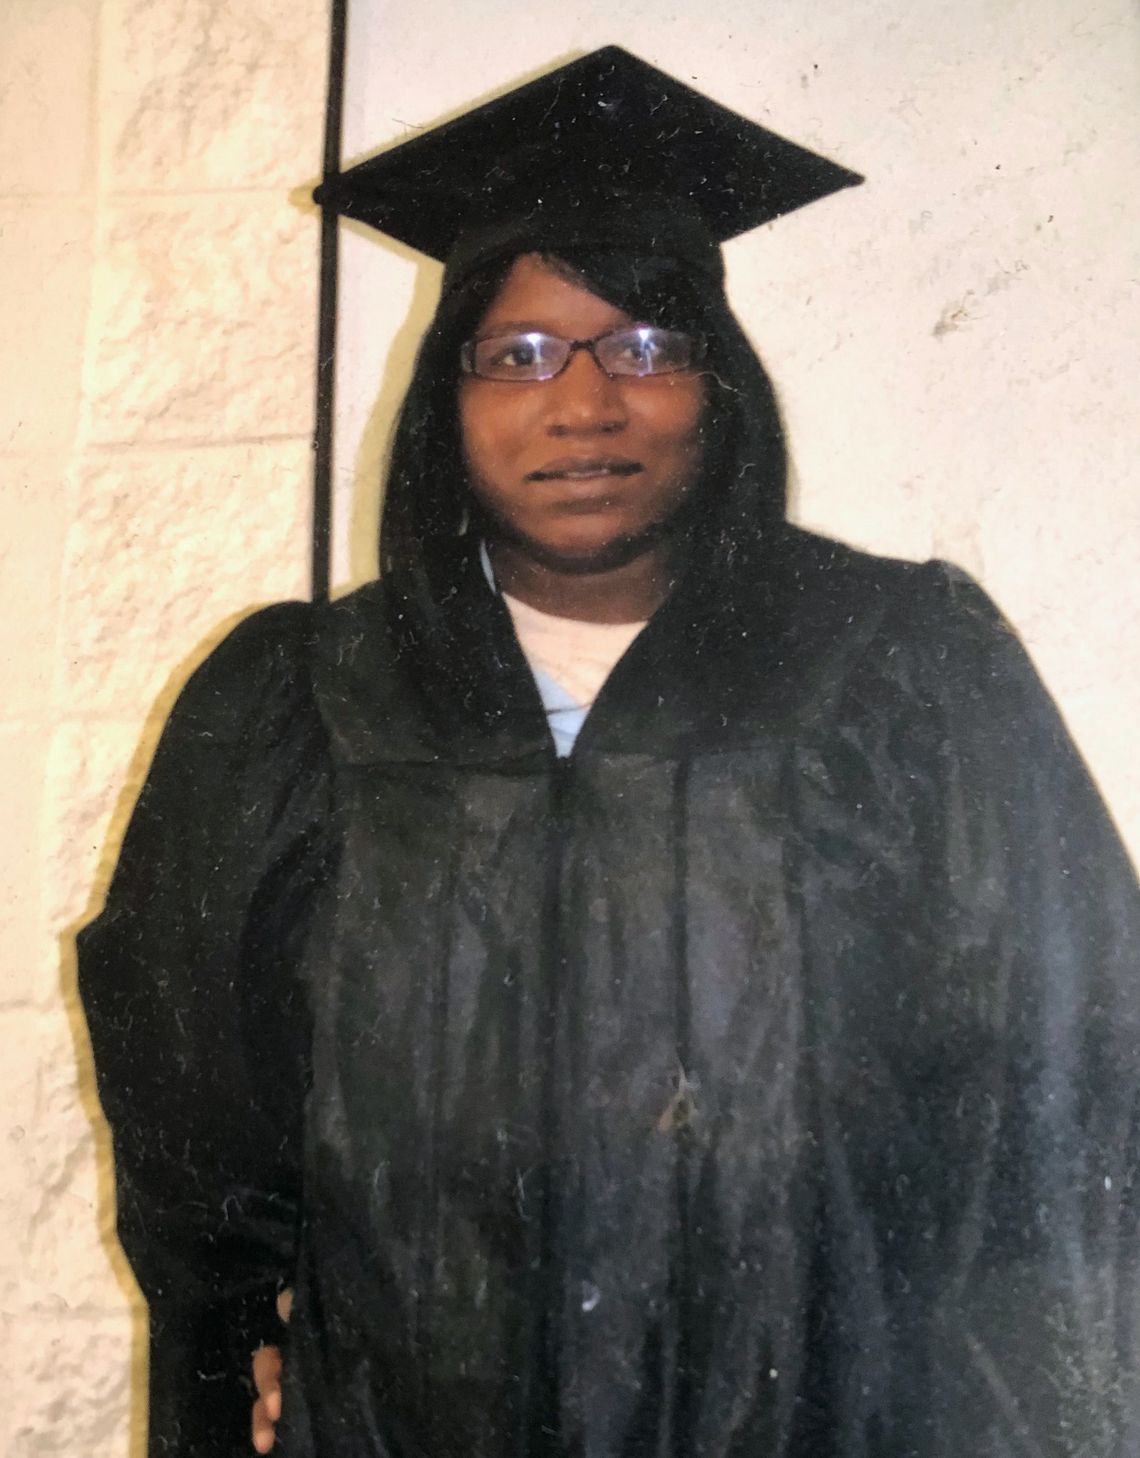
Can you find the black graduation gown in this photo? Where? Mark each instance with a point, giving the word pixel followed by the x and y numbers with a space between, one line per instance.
pixel 760 1081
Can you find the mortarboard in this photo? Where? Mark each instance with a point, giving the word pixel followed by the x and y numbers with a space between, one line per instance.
pixel 606 150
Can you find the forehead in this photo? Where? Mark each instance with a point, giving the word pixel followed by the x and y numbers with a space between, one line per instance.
pixel 534 296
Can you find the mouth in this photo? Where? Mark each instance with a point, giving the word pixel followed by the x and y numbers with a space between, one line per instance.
pixel 586 468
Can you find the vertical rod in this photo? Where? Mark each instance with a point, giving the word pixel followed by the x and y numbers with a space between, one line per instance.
pixel 326 312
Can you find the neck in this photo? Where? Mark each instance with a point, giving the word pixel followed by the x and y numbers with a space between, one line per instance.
pixel 628 593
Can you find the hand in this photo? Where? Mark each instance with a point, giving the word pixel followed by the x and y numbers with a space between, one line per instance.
pixel 267 1380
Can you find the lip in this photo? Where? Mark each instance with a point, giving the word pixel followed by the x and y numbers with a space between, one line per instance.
pixel 585 468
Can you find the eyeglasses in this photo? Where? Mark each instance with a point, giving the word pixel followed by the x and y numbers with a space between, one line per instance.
pixel 640 351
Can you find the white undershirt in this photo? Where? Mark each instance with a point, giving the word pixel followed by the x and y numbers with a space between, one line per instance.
pixel 570 660
pixel 579 656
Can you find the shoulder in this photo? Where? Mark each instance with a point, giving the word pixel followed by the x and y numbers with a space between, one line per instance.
pixel 284 643
pixel 258 673
pixel 825 567
pixel 885 631
pixel 280 633
pixel 239 768
pixel 909 600
pixel 296 670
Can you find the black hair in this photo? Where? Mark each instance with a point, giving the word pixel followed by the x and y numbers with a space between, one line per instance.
pixel 744 472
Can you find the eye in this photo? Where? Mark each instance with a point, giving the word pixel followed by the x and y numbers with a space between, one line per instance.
pixel 515 354
pixel 531 356
pixel 640 345
pixel 646 350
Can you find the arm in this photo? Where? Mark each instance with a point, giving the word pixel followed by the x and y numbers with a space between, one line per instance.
pixel 198 1025
pixel 1039 1317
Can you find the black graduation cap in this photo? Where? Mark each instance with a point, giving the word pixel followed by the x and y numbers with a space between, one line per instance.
pixel 605 150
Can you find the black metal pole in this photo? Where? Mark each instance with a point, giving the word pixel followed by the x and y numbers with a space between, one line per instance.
pixel 326 316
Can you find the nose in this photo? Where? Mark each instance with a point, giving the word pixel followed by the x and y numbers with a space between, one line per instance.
pixel 584 400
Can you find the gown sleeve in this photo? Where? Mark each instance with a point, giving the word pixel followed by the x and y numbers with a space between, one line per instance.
pixel 1041 916
pixel 198 1022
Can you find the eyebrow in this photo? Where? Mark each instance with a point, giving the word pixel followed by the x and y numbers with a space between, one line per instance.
pixel 528 326
pixel 515 326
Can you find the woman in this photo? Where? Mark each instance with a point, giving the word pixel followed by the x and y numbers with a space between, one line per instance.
pixel 738 1059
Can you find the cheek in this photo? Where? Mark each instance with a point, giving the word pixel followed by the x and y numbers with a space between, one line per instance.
pixel 676 420
pixel 493 427
pixel 471 429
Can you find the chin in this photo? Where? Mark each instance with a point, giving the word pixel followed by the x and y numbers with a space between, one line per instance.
pixel 584 553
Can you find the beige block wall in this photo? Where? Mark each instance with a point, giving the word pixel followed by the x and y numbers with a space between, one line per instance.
pixel 155 422
pixel 955 347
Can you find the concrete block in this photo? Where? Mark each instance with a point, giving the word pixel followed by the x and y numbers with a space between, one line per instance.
pixel 165 548
pixel 45 270
pixel 204 317
pixel 168 549
pixel 56 1205
pixel 46 95
pixel 198 94
pixel 33 506
pixel 94 771
pixel 67 1387
pixel 28 968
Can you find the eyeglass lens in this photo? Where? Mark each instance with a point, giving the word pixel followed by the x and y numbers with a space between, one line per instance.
pixel 644 350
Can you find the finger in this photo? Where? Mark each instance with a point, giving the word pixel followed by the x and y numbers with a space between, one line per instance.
pixel 263 1431
pixel 267 1370
pixel 285 1304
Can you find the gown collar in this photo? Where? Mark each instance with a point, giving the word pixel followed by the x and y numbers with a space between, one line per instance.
pixel 719 666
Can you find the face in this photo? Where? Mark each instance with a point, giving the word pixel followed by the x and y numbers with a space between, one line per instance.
pixel 586 469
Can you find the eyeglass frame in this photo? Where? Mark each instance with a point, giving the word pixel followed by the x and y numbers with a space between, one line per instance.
pixel 698 346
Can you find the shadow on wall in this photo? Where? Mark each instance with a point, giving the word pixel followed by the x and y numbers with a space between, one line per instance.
pixel 371 464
